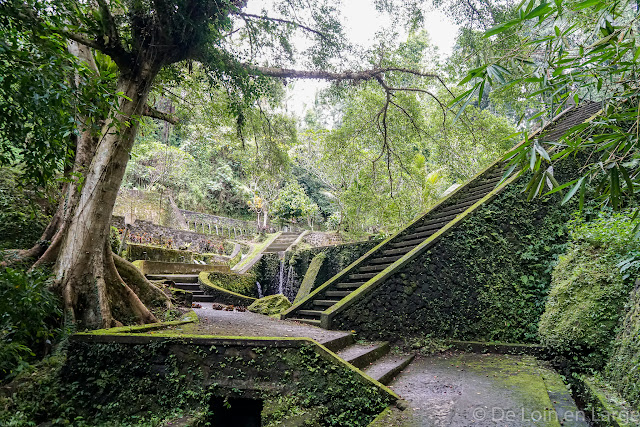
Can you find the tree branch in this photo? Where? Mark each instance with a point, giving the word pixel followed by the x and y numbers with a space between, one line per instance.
pixel 283 21
pixel 285 73
pixel 156 114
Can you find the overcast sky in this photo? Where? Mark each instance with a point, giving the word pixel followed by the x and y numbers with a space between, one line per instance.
pixel 362 21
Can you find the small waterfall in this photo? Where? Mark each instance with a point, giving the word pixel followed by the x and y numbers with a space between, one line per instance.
pixel 289 283
pixel 259 288
pixel 281 281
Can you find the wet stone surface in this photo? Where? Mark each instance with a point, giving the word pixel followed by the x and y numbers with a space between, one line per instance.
pixel 235 323
pixel 461 389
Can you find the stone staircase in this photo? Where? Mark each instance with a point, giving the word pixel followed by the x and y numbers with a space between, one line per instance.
pixel 186 282
pixel 383 258
pixel 281 243
pixel 372 269
pixel 374 359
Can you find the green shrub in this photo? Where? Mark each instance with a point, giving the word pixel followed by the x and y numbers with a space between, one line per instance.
pixel 589 292
pixel 21 220
pixel 114 239
pixel 29 317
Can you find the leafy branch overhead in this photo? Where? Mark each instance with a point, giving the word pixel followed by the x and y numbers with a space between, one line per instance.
pixel 572 53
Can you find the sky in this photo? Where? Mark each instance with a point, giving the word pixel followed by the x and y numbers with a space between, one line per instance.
pixel 362 21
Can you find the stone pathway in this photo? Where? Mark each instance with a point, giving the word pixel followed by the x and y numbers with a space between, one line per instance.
pixel 463 389
pixel 235 323
pixel 449 389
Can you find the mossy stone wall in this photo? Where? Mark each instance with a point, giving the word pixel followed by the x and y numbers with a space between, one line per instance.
pixel 486 280
pixel 623 368
pixel 104 374
pixel 136 252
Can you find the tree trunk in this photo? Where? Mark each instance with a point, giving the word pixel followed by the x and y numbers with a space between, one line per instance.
pixel 93 291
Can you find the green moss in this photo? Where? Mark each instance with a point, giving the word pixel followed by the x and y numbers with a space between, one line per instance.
pixel 270 305
pixel 155 253
pixel 169 378
pixel 623 368
pixel 235 260
pixel 588 293
pixel 243 284
pixel 605 405
pixel 309 280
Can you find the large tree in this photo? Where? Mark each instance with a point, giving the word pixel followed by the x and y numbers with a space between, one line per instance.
pixel 144 39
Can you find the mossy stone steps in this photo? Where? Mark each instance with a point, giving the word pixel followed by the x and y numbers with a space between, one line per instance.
pixel 388 367
pixel 310 313
pixel 362 276
pixel 311 309
pixel 337 293
pixel 182 278
pixel 385 259
pixel 191 287
pixel 375 267
pixel 325 302
pixel 350 285
pixel 362 355
pixel 185 282
pixel 281 243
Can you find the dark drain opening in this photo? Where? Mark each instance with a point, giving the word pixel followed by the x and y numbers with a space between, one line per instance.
pixel 236 412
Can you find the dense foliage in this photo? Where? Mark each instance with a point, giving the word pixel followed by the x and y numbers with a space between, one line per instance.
pixel 589 291
pixel 29 319
pixel 23 215
pixel 572 51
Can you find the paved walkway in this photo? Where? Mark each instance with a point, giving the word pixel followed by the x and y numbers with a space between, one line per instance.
pixel 235 323
pixel 449 389
pixel 463 389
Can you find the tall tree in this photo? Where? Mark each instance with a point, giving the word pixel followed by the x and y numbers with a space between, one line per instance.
pixel 144 38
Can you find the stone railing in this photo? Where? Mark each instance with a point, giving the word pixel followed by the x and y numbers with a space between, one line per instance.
pixel 218 225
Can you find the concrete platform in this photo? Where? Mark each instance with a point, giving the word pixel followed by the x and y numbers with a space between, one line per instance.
pixel 464 389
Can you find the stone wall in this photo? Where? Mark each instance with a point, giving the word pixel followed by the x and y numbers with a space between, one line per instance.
pixel 295 379
pixel 486 280
pixel 317 238
pixel 146 232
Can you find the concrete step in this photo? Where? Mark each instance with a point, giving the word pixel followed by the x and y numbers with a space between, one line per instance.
pixel 337 293
pixel 374 267
pixel 313 322
pixel 436 223
pixel 349 285
pixel 399 251
pixel 203 298
pixel 181 278
pixel 325 302
pixel 478 194
pixel 188 286
pixel 487 185
pixel 422 235
pixel 310 313
pixel 387 367
pixel 359 276
pixel 456 207
pixel 361 355
pixel 384 260
pixel 406 243
pixel 338 343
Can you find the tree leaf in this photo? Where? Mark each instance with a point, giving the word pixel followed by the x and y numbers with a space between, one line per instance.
pixel 573 191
